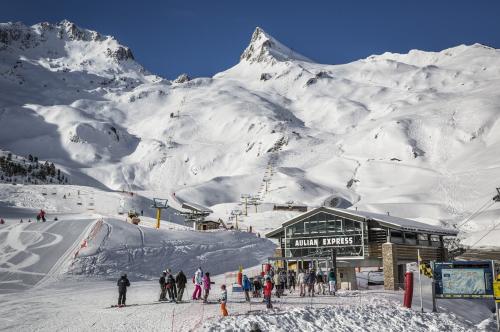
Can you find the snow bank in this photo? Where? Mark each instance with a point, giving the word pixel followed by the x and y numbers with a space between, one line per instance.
pixel 144 252
pixel 379 315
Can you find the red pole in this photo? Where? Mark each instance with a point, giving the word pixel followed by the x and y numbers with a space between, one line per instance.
pixel 408 297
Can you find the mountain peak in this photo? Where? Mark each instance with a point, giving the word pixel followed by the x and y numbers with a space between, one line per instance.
pixel 265 48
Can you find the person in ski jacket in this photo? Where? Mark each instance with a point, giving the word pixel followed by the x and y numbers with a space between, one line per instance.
pixel 310 281
pixel 301 281
pixel 256 286
pixel 181 281
pixel 122 284
pixel 206 286
pixel 268 289
pixel 320 282
pixel 277 284
pixel 332 282
pixel 283 281
pixel 172 291
pixel 223 300
pixel 198 282
pixel 291 280
pixel 247 286
pixel 163 286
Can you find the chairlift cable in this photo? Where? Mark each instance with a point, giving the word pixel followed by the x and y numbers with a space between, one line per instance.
pixel 483 208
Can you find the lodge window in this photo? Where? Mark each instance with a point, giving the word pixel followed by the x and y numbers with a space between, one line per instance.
pixel 396 237
pixel 411 238
pixel 423 239
pixel 435 241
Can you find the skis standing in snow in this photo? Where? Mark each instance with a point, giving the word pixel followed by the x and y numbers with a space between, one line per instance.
pixel 198 282
pixel 181 281
pixel 122 284
pixel 223 300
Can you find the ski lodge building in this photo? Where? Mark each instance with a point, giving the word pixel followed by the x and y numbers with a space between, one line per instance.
pixel 357 239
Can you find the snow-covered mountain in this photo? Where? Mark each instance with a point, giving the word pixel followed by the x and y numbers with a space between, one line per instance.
pixel 415 134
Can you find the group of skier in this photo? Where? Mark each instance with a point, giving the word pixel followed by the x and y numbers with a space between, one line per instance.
pixel 308 281
pixel 173 285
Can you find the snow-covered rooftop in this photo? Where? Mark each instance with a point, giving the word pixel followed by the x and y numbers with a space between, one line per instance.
pixel 386 220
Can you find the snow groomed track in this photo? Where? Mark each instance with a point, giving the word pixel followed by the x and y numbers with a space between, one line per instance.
pixel 29 252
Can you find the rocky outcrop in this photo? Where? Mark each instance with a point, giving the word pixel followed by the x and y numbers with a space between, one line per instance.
pixel 182 78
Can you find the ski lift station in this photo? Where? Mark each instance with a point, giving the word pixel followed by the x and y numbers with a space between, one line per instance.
pixel 349 239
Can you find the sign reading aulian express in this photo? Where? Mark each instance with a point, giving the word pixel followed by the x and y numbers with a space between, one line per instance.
pixel 323 242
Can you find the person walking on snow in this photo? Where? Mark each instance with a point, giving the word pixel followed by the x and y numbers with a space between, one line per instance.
pixel 277 284
pixel 246 287
pixel 310 281
pixel 198 282
pixel 163 286
pixel 332 281
pixel 268 289
pixel 301 280
pixel 122 284
pixel 291 281
pixel 181 282
pixel 206 286
pixel 320 281
pixel 223 300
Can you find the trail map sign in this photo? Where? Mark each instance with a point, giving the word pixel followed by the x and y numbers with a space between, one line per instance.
pixel 464 279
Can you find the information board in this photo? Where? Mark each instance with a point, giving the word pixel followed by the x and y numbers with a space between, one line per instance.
pixel 464 279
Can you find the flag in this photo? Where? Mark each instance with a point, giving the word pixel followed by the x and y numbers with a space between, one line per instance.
pixel 425 268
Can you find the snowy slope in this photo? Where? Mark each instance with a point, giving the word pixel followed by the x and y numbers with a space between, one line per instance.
pixel 415 134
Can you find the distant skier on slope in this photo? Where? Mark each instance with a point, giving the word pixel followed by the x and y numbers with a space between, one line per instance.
pixel 122 284
pixel 198 282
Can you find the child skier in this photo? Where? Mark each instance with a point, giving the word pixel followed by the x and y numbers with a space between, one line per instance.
pixel 206 286
pixel 223 300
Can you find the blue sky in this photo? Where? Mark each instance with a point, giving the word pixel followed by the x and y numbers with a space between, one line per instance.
pixel 202 38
